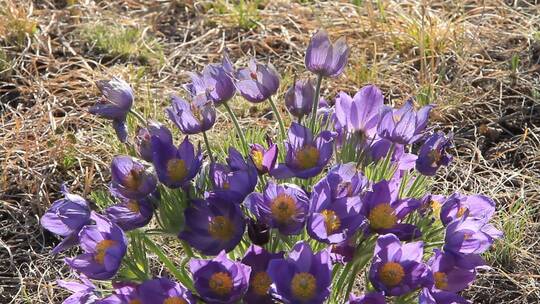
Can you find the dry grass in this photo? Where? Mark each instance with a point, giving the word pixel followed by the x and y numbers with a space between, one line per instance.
pixel 478 60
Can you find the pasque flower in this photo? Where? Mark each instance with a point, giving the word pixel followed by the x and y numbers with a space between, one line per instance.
pixel 83 293
pixel 264 159
pixel 213 224
pixel 433 155
pixel 324 57
pixel 259 291
pixel 428 296
pixel 130 178
pixel 368 298
pixel 451 272
pixel 220 280
pixel 299 98
pixel 164 290
pixel 175 167
pixel 361 112
pixel 131 214
pixel 396 268
pixel 104 245
pixel 456 206
pixel 304 277
pixel 470 236
pixel 65 218
pixel 143 140
pixel 306 156
pixel 124 292
pixel 257 82
pixel 284 207
pixel 344 180
pixel 115 104
pixel 404 125
pixel 192 118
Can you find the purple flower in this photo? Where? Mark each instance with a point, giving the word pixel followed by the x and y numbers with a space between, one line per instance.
pixel 192 118
pixel 131 214
pixel 333 219
pixel 115 104
pixel 324 58
pixel 124 292
pixel 299 98
pixel 360 113
pixel 452 272
pixel 368 298
pixel 143 140
pixel 284 207
pixel 259 291
pixel 397 269
pixel 345 180
pixel 405 125
pixel 433 154
pixel 83 293
pixel 235 180
pixel 470 236
pixel 104 245
pixel 65 218
pixel 343 252
pixel 176 167
pixel 163 290
pixel 213 225
pixel 257 82
pixel 130 178
pixel 428 296
pixel 303 277
pixel 220 280
pixel 306 156
pixel 264 159
pixel 456 206
pixel 384 210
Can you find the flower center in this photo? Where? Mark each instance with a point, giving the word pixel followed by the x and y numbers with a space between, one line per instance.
pixel 176 169
pixel 101 250
pixel 436 207
pixel 435 157
pixel 382 217
pixel 391 274
pixel 133 206
pixel 303 286
pixel 257 157
pixel 174 300
pixel 261 283
pixel 221 283
pixel 441 282
pixel 331 221
pixel 135 301
pixel 461 211
pixel 283 208
pixel 221 228
pixel 253 75
pixel 307 157
pixel 196 111
pixel 133 179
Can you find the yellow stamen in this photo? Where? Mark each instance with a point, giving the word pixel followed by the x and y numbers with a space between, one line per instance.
pixel 382 217
pixel 331 221
pixel 176 169
pixel 261 283
pixel 283 208
pixel 135 301
pixel 174 300
pixel 391 274
pixel 303 286
pixel 221 283
pixel 307 157
pixel 435 157
pixel 133 206
pixel 461 211
pixel 257 157
pixel 441 281
pixel 221 228
pixel 133 179
pixel 101 249
pixel 436 207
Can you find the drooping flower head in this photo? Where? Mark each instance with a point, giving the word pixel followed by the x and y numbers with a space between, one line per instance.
pixel 304 277
pixel 306 156
pixel 104 245
pixel 192 118
pixel 131 214
pixel 384 210
pixel 284 207
pixel 433 154
pixel 130 178
pixel 257 82
pixel 324 57
pixel 299 98
pixel 175 167
pixel 404 125
pixel 65 218
pixel 235 180
pixel 259 291
pixel 115 104
pixel 397 269
pixel 360 113
pixel 368 298
pixel 470 236
pixel 220 280
pixel 143 140
pixel 213 224
pixel 166 291
pixel 264 159
pixel 83 293
pixel 456 206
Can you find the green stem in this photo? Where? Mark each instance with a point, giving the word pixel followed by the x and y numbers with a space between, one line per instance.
pixel 315 103
pixel 237 126
pixel 208 149
pixel 138 116
pixel 167 262
pixel 278 117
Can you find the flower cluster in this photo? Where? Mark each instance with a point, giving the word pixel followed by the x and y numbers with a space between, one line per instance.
pixel 292 220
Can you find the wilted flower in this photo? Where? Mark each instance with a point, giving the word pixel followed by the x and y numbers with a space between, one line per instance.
pixel 470 236
pixel 220 280
pixel 368 298
pixel 343 252
pixel 176 167
pixel 259 291
pixel 306 156
pixel 257 82
pixel 404 125
pixel 303 277
pixel 104 245
pixel 360 113
pixel 131 214
pixel 324 58
pixel 143 140
pixel 192 118
pixel 397 269
pixel 83 293
pixel 115 104
pixel 264 159
pixel 284 207
pixel 65 218
pixel 433 154
pixel 299 98
pixel 213 224
pixel 164 290
pixel 130 178
pixel 456 206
